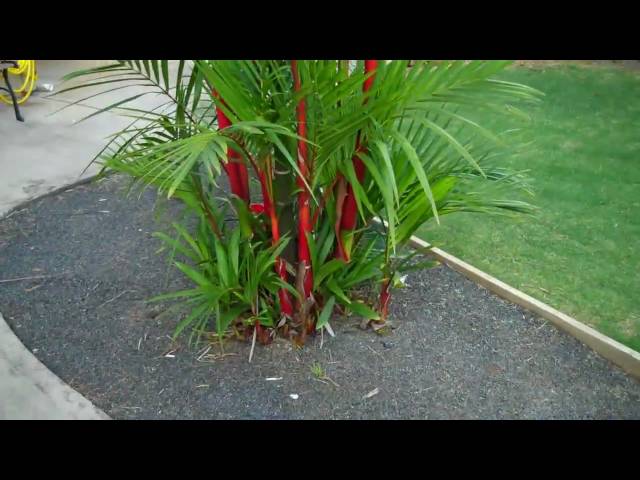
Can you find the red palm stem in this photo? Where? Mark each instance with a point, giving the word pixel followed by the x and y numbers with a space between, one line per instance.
pixel 304 212
pixel 236 170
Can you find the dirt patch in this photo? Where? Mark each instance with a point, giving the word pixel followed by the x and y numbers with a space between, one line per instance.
pixel 458 351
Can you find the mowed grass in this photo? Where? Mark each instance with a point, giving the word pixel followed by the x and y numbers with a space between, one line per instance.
pixel 581 253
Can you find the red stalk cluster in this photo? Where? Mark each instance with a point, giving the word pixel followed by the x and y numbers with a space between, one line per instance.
pixel 345 200
pixel 239 182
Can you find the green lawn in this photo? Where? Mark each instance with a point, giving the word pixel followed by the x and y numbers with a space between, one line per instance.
pixel 581 253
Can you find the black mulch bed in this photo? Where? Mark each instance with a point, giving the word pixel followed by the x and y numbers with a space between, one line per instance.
pixel 458 351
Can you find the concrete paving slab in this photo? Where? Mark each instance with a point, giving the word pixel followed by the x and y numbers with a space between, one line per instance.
pixel 49 151
pixel 30 391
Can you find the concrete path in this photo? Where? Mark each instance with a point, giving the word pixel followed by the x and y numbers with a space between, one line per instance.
pixel 30 391
pixel 44 153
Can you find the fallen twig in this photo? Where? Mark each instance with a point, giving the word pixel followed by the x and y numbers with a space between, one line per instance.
pixel 34 277
pixel 542 326
pixel 22 232
pixel 253 344
pixel 329 380
pixel 216 356
pixel 374 351
pixel 114 298
pixel 373 392
pixel 15 212
pixel 203 352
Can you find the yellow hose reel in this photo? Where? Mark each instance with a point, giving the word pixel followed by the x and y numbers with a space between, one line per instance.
pixel 25 77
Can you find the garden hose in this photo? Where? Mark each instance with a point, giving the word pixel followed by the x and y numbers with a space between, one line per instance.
pixel 27 70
